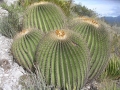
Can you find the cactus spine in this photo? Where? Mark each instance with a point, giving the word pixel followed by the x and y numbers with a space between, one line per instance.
pixel 63 59
pixel 98 43
pixel 24 47
pixel 45 16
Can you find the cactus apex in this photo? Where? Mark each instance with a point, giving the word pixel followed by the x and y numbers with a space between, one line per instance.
pixel 89 21
pixel 60 34
pixel 38 3
pixel 22 33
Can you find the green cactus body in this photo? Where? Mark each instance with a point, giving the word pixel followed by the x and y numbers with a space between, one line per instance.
pixel 44 16
pixel 24 47
pixel 113 68
pixel 63 58
pixel 98 43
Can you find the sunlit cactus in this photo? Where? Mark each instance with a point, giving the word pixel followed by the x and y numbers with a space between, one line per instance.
pixel 24 47
pixel 45 16
pixel 63 59
pixel 97 40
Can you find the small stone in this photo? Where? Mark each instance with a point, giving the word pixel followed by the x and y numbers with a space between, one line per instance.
pixel 5 64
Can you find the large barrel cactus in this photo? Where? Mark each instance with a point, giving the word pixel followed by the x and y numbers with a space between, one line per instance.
pixel 24 47
pixel 45 16
pixel 63 59
pixel 98 43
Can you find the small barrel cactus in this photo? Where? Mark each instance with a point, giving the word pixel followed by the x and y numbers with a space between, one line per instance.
pixel 63 59
pixel 45 16
pixel 107 84
pixel 24 47
pixel 97 39
pixel 113 69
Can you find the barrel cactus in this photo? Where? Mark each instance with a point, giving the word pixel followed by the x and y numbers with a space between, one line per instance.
pixel 63 59
pixel 97 40
pixel 45 16
pixel 24 47
pixel 113 69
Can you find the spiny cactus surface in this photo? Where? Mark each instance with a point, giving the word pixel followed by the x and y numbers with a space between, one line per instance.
pixel 24 47
pixel 113 68
pixel 98 43
pixel 45 16
pixel 63 59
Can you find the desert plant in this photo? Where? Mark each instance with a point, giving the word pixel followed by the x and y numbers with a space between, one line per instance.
pixel 63 59
pixel 113 69
pixel 24 47
pixel 108 84
pixel 115 44
pixel 97 40
pixel 45 16
pixel 30 81
pixel 83 11
pixel 64 4
pixel 6 28
pixel 10 24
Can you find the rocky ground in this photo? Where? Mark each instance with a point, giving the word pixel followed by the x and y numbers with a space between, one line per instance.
pixel 9 70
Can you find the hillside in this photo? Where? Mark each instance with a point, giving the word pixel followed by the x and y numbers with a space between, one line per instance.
pixel 112 20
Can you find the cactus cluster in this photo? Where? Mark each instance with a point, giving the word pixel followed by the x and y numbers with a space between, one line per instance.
pixel 67 56
pixel 44 16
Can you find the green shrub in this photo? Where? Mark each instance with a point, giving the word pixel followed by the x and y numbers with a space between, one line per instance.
pixel 10 24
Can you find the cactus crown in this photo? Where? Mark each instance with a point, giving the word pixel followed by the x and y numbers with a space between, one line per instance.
pixel 60 34
pixel 89 21
pixel 44 3
pixel 22 33
pixel 38 3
